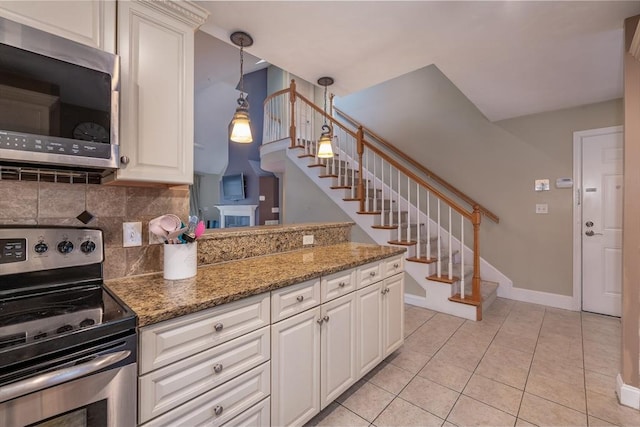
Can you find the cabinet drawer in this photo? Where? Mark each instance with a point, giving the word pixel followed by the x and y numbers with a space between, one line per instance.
pixel 294 299
pixel 337 284
pixel 392 266
pixel 259 415
pixel 176 339
pixel 168 387
pixel 221 404
pixel 368 274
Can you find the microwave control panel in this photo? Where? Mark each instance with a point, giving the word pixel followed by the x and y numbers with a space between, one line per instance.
pixel 53 145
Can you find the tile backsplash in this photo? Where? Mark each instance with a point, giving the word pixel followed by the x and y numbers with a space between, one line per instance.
pixel 46 203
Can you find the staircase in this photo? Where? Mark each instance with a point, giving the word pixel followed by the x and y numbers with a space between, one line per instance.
pixel 394 201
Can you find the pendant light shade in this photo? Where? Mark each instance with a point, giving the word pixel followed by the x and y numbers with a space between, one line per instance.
pixel 325 149
pixel 241 123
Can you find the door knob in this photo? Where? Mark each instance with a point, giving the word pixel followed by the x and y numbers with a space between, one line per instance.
pixel 592 233
pixel 589 223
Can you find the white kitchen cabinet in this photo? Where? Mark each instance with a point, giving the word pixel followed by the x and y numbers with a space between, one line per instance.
pixel 337 348
pixel 392 313
pixel 256 416
pixel 155 41
pixel 92 23
pixel 369 312
pixel 295 368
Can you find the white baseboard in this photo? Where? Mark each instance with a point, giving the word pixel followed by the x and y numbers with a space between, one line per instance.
pixel 537 297
pixel 627 395
pixel 415 300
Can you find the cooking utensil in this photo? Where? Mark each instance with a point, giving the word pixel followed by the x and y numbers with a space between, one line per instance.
pixel 156 228
pixel 189 235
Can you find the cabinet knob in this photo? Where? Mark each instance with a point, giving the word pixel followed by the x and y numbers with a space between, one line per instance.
pixel 218 410
pixel 373 273
pixel 396 265
pixel 300 298
pixel 217 368
pixel 342 284
pixel 218 327
pixel 124 160
pixel 325 318
pixel 319 321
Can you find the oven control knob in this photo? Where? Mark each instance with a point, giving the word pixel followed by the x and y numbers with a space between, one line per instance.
pixel 87 247
pixel 41 247
pixel 87 322
pixel 63 329
pixel 65 247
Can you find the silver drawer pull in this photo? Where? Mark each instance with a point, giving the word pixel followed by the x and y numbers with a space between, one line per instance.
pixel 326 318
pixel 373 273
pixel 342 284
pixel 218 327
pixel 300 298
pixel 319 321
pixel 396 265
pixel 217 368
pixel 218 410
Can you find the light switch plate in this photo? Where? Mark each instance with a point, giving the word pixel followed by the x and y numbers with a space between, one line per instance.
pixel 131 234
pixel 542 208
pixel 541 185
pixel 307 239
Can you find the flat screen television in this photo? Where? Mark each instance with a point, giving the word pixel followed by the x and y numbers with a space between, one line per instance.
pixel 233 187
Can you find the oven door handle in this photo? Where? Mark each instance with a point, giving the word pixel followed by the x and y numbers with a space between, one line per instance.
pixel 30 385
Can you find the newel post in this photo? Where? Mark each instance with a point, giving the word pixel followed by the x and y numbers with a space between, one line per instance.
pixel 292 123
pixel 475 282
pixel 360 147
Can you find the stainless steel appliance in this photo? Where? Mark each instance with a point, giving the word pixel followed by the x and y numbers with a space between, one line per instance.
pixel 68 346
pixel 58 101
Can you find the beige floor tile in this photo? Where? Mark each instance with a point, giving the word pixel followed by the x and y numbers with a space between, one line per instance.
pixel 449 424
pixel 414 317
pixel 565 373
pixel 366 400
pixel 493 393
pixel 427 342
pixel 408 360
pixel 553 389
pixel 389 377
pixel 601 364
pixel 430 396
pixel 559 355
pixel 402 413
pixel 505 365
pixel 337 415
pixel 462 356
pixel 522 423
pixel 470 412
pixel 446 374
pixel 607 408
pixel 600 383
pixel 542 412
pixel 597 422
pixel 518 342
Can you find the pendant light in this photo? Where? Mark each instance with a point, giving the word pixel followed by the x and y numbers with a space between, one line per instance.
pixel 241 124
pixel 325 150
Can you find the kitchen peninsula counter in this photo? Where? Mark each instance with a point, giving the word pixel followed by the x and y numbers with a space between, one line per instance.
pixel 155 299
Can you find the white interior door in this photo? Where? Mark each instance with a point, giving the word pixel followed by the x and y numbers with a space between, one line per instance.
pixel 601 225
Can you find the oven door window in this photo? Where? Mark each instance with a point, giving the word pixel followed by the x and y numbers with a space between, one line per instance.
pixel 92 415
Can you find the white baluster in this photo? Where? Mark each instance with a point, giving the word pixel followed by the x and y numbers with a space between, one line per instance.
pixel 439 264
pixel 462 256
pixel 428 254
pixel 408 210
pixel 418 218
pixel 450 249
pixel 398 202
pixel 382 201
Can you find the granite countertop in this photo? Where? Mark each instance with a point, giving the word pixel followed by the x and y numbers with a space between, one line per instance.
pixel 155 299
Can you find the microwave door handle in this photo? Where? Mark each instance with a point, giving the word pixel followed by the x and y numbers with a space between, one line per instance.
pixel 30 385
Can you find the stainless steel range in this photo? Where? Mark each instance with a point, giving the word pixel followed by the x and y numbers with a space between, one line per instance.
pixel 67 345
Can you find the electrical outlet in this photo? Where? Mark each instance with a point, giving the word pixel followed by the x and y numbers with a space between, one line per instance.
pixel 307 240
pixel 542 208
pixel 131 234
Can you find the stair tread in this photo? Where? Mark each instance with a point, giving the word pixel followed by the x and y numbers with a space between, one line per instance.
pixel 402 242
pixel 466 300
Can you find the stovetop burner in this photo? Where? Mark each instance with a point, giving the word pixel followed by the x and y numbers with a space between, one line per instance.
pixel 52 298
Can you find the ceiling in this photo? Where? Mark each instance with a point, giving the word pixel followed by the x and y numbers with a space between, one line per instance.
pixel 510 58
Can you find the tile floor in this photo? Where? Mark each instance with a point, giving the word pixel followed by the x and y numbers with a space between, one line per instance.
pixel 523 365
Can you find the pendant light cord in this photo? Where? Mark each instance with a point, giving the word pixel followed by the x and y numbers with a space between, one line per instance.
pixel 241 101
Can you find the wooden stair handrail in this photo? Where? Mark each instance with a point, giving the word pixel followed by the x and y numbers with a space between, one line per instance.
pixel 418 166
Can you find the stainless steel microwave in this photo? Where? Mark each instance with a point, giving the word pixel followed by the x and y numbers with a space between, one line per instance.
pixel 58 101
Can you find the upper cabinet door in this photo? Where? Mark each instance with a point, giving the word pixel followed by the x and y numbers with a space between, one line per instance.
pixel 88 22
pixel 155 44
